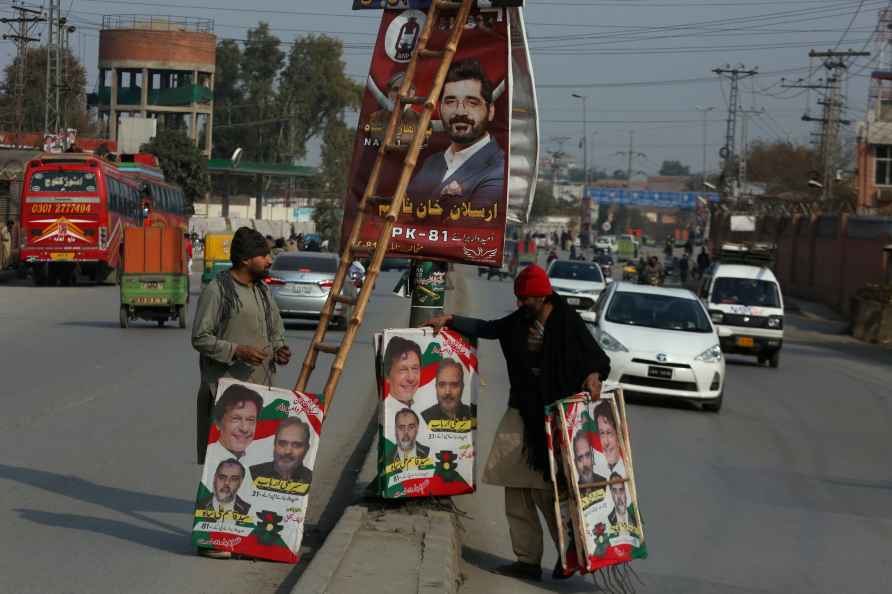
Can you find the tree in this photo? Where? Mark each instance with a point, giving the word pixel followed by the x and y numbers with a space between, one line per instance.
pixel 73 95
pixel 331 183
pixel 260 63
pixel 182 162
pixel 782 166
pixel 228 97
pixel 313 91
pixel 544 202
pixel 674 168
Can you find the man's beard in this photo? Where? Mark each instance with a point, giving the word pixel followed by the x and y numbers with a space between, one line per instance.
pixel 287 463
pixel 226 498
pixel 587 476
pixel 406 444
pixel 473 134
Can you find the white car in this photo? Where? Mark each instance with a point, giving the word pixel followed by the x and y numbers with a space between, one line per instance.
pixel 661 342
pixel 606 242
pixel 580 283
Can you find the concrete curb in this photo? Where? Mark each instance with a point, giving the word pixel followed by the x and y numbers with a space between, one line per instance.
pixel 322 568
pixel 440 562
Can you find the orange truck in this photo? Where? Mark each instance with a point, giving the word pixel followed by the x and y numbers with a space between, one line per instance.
pixel 155 282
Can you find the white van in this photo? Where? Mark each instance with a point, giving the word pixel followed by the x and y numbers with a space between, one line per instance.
pixel 747 307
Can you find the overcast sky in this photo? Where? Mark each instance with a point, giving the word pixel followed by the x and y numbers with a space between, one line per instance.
pixel 594 47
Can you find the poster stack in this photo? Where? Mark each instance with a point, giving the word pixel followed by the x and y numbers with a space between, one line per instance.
pixel 427 413
pixel 594 480
pixel 254 491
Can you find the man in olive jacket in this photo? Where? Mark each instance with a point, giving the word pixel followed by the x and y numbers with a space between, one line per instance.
pixel 550 355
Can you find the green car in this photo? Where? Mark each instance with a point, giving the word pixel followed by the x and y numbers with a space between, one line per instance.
pixel 150 296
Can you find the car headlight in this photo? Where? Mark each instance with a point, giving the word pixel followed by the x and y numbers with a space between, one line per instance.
pixel 717 316
pixel 776 322
pixel 608 343
pixel 710 355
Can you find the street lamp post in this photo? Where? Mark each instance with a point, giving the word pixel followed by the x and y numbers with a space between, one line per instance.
pixel 586 215
pixel 704 111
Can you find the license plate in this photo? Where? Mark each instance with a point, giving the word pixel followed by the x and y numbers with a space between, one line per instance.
pixel 659 372
pixel 62 256
pixel 745 341
pixel 573 301
pixel 299 289
pixel 150 300
pixel 151 284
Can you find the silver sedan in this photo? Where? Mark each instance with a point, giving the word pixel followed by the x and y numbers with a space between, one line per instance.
pixel 300 284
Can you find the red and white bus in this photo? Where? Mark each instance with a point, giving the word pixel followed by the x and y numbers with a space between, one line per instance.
pixel 74 208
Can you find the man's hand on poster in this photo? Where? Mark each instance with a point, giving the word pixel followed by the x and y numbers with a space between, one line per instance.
pixel 438 323
pixel 283 355
pixel 249 354
pixel 592 385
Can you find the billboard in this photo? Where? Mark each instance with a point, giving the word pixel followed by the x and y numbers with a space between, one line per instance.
pixel 644 198
pixel 457 199
pixel 423 4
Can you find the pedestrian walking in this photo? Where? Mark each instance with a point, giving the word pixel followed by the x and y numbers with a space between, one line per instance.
pixel 237 331
pixel 703 262
pixel 188 241
pixel 683 266
pixel 6 245
pixel 550 355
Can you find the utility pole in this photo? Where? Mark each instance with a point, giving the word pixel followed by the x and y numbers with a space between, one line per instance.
pixel 704 111
pixel 585 218
pixel 51 116
pixel 21 31
pixel 728 152
pixel 831 117
pixel 630 154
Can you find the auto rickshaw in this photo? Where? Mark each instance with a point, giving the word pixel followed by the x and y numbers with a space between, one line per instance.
pixel 216 255
pixel 155 282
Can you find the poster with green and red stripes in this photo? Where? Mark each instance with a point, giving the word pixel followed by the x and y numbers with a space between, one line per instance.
pixel 427 413
pixel 591 468
pixel 254 490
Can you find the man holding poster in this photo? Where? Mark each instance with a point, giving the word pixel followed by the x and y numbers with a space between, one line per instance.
pixel 550 354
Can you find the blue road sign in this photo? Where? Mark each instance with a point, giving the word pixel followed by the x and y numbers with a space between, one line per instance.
pixel 647 198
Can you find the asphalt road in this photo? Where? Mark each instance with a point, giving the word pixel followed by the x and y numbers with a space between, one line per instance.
pixel 788 489
pixel 98 476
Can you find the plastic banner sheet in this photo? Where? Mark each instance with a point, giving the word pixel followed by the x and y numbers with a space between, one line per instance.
pixel 253 495
pixel 427 413
pixel 591 468
pixel 457 199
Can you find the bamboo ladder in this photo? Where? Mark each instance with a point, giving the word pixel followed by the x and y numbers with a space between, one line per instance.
pixel 371 200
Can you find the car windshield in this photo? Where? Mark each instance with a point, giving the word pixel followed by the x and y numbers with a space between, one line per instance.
pixel 579 271
pixel 658 311
pixel 745 291
pixel 305 263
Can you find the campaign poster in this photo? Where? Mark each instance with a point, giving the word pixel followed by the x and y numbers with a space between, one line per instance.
pixel 427 413
pixel 423 4
pixel 254 490
pixel 597 469
pixel 457 198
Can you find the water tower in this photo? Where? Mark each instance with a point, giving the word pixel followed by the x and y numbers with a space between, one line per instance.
pixel 156 72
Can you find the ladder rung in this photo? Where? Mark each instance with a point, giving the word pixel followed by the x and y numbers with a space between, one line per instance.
pixel 331 349
pixel 428 53
pixel 448 5
pixel 345 299
pixel 414 100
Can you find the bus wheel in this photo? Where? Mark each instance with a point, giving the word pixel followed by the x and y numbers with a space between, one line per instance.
pixel 160 323
pixel 38 273
pixel 181 316
pixel 124 317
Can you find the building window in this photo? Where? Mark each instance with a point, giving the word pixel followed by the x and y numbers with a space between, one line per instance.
pixel 883 164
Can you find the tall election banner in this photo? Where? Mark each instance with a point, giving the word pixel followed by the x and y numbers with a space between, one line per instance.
pixel 593 476
pixel 427 413
pixel 457 200
pixel 254 490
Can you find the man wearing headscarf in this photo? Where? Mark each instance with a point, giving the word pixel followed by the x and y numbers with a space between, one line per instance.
pixel 550 355
pixel 237 331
